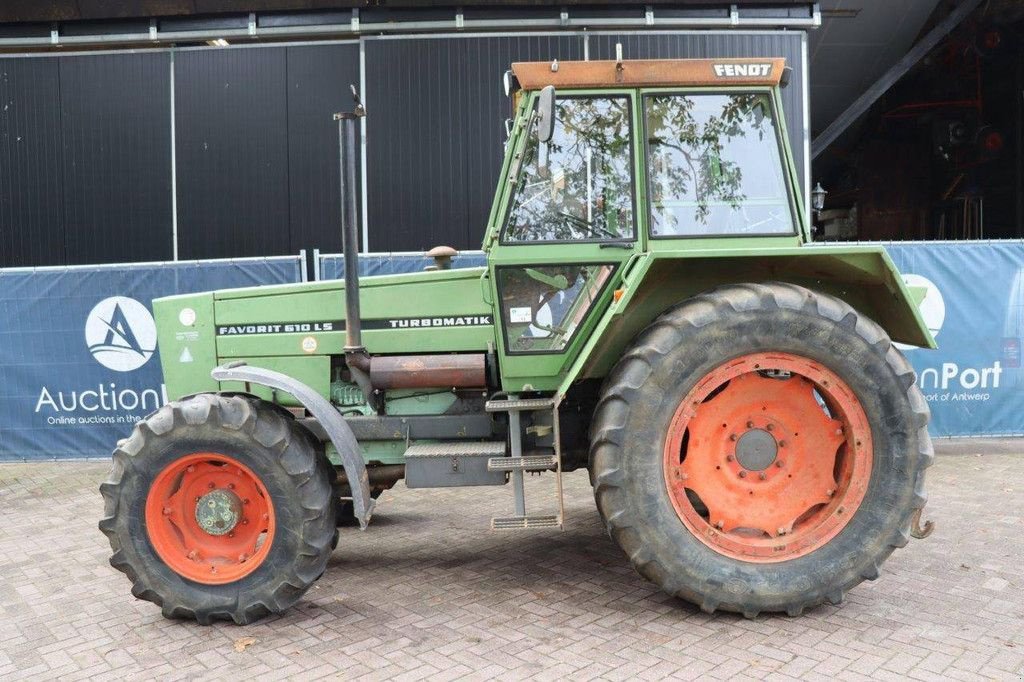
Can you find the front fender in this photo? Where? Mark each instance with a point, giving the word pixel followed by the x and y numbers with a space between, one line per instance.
pixel 330 419
pixel 863 276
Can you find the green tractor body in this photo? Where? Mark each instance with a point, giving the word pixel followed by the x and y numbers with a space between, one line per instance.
pixel 633 206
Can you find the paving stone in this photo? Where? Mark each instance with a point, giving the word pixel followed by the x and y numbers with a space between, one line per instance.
pixel 429 592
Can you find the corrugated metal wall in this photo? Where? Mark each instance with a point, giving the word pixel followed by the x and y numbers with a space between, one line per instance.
pixel 116 137
pixel 86 151
pixel 231 125
pixel 31 163
pixel 436 132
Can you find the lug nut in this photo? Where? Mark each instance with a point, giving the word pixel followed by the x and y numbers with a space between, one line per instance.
pixel 762 475
pixel 729 458
pixel 732 436
pixel 242 557
pixel 743 474
pixel 211 486
pixel 750 425
pixel 830 492
pixel 778 463
pixel 231 534
pixel 782 531
pixel 719 525
pixel 190 469
pixel 782 443
pixel 192 555
pixel 231 486
pixel 167 511
pixel 770 427
pixel 245 501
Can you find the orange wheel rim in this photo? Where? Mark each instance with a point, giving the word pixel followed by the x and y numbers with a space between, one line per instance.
pixel 768 457
pixel 209 518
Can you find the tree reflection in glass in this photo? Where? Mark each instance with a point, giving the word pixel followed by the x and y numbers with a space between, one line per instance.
pixel 584 191
pixel 715 166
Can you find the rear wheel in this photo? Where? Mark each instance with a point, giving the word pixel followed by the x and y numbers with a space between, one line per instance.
pixel 760 448
pixel 220 507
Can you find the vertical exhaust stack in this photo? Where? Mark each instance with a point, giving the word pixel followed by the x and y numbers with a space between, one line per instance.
pixel 356 357
pixel 349 238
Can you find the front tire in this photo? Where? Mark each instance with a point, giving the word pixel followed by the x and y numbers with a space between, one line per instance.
pixel 220 507
pixel 700 470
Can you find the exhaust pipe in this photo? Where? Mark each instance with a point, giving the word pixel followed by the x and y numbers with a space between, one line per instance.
pixel 355 352
pixel 349 236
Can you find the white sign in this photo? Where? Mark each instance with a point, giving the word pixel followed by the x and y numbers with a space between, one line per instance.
pixel 120 333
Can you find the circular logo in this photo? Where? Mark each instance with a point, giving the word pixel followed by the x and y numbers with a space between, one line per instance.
pixel 187 317
pixel 309 344
pixel 931 307
pixel 120 333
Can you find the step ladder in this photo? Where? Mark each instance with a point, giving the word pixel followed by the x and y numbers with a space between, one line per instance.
pixel 517 465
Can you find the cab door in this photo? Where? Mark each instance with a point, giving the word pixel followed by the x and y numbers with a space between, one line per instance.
pixel 568 227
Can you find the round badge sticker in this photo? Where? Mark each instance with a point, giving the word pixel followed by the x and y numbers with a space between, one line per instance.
pixel 309 344
pixel 187 317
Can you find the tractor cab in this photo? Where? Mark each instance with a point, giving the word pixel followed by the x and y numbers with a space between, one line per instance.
pixel 610 160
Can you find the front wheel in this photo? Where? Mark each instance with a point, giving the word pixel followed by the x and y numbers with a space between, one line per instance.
pixel 760 448
pixel 220 507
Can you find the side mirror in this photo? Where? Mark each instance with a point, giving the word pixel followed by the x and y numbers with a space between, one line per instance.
pixel 546 114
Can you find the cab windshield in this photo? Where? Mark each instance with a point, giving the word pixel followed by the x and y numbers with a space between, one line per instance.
pixel 579 185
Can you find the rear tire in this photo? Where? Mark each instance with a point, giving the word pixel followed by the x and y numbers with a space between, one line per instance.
pixel 221 445
pixel 649 444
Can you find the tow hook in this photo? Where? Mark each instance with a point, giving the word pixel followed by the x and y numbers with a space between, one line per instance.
pixel 916 529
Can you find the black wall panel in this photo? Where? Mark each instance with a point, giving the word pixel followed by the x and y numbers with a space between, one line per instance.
pixel 435 134
pixel 706 45
pixel 31 160
pixel 232 152
pixel 318 86
pixel 115 124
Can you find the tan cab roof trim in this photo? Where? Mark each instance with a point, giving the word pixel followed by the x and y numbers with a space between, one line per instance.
pixel 650 73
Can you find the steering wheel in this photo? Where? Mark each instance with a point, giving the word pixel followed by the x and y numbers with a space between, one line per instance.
pixel 588 226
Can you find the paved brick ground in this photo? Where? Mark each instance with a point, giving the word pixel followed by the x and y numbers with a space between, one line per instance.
pixel 428 592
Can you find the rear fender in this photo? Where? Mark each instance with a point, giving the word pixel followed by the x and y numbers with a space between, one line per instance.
pixel 863 276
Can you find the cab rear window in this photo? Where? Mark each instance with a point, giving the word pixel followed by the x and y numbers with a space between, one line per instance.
pixel 714 166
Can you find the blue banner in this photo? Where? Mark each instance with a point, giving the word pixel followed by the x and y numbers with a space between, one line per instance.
pixel 78 358
pixel 79 364
pixel 974 382
pixel 332 266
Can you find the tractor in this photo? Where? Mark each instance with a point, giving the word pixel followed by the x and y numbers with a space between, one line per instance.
pixel 652 309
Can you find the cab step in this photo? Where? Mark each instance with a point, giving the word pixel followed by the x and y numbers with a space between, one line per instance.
pixel 517 465
pixel 534 463
pixel 519 405
pixel 456 449
pixel 525 522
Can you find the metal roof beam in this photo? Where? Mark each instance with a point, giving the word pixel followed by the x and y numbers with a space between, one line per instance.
pixel 571 18
pixel 860 105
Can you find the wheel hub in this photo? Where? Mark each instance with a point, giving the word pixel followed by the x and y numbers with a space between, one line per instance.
pixel 218 512
pixel 756 450
pixel 210 518
pixel 768 457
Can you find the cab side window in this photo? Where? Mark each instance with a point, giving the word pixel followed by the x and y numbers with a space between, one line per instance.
pixel 714 166
pixel 578 186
